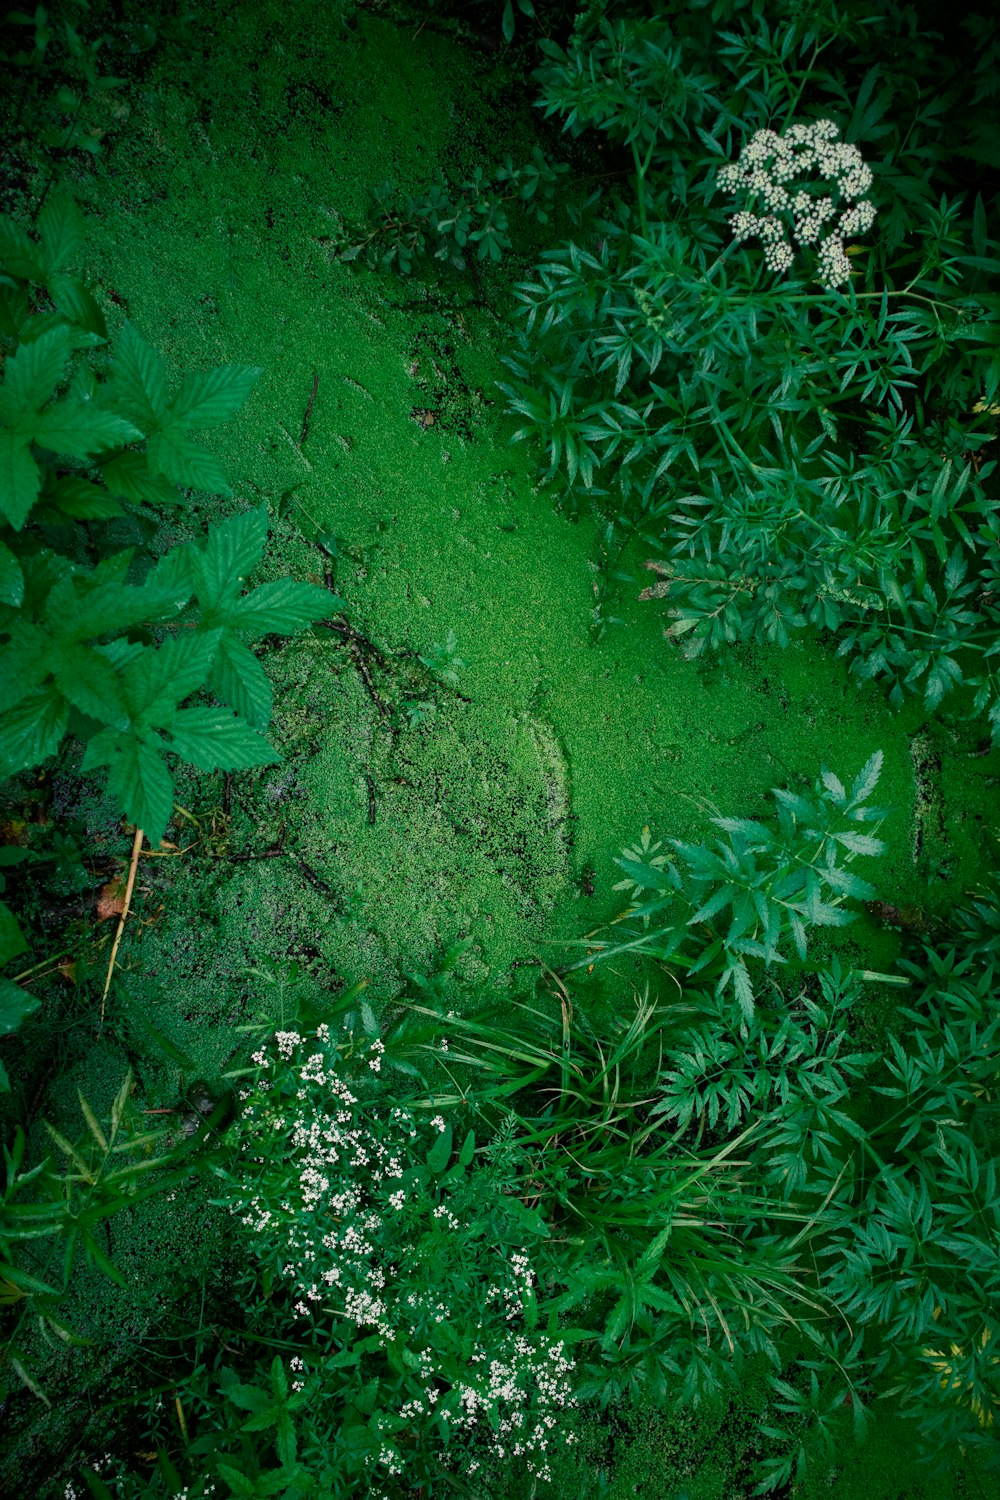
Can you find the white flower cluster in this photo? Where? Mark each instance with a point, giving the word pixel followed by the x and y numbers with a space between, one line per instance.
pixel 768 162
pixel 330 1206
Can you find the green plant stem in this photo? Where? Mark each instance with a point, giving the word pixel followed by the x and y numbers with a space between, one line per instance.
pixel 641 168
pixel 51 177
pixel 819 47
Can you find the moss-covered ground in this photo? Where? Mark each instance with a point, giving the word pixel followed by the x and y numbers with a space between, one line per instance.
pixel 214 210
pixel 406 813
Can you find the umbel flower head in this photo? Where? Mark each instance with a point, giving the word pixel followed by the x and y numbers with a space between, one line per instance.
pixel 821 211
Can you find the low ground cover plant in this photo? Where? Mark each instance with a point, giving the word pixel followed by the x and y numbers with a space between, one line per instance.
pixel 460 1228
pixel 103 639
pixel 771 351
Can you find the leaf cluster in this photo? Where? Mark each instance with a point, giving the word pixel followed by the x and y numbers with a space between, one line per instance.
pixel 799 458
pixel 111 650
pixel 774 880
pixel 61 1208
pixel 448 223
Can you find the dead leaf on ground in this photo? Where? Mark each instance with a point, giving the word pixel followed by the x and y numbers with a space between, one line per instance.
pixel 111 900
pixel 423 417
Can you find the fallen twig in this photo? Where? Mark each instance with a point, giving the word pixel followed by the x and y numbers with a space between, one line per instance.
pixel 354 637
pixel 305 419
pixel 237 859
pixel 366 678
pixel 133 866
pixel 316 881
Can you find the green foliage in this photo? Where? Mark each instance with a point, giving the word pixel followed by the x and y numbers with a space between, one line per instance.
pixel 446 222
pixel 798 457
pixel 111 652
pixel 394 1270
pixel 740 1218
pixel 104 644
pixel 444 662
pixel 790 1216
pixel 775 880
pixel 114 1166
pixel 58 76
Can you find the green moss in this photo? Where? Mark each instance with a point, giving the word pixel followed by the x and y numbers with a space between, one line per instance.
pixel 214 217
pixel 220 202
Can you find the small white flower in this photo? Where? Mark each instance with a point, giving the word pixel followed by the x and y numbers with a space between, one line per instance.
pixel 834 267
pixel 768 162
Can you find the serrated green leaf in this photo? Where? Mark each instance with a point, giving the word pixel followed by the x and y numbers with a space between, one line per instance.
pixel 24 663
pixel 183 461
pixel 239 680
pixel 82 499
pixel 206 399
pixel 32 730
pixel 33 372
pixel 237 1482
pixel 76 302
pixel 82 429
pixel 12 940
pixel 230 554
pixel 835 787
pixel 138 779
pixel 79 607
pixel 284 1440
pixel 211 739
pixel 61 230
pixel 162 677
pixel 20 479
pixel 279 1380
pixel 743 987
pixel 19 255
pixel 252 1398
pixel 139 380
pixel 278 608
pixel 860 843
pixel 90 682
pixel 11 578
pixel 128 475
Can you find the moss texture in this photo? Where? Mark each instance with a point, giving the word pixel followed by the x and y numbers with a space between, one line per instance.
pixel 214 214
pixel 216 209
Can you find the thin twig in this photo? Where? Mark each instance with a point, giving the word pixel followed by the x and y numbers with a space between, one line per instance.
pixel 241 858
pixel 133 866
pixel 354 637
pixel 305 419
pixel 366 678
pixel 371 797
pixel 317 881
